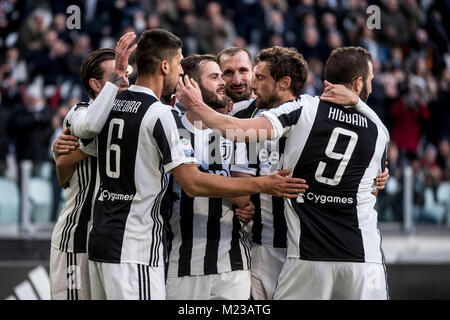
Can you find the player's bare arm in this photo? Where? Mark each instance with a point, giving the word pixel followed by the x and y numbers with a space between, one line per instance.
pixel 197 183
pixel 65 165
pixel 189 95
pixel 246 208
pixel 88 123
pixel 64 143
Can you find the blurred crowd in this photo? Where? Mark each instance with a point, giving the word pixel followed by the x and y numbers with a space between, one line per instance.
pixel 41 59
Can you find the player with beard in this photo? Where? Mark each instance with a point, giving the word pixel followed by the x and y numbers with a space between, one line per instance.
pixel 334 247
pixel 237 67
pixel 209 256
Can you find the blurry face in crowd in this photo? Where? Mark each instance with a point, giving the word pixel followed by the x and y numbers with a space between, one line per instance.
pixel 175 72
pixel 108 69
pixel 265 87
pixel 212 86
pixel 367 87
pixel 237 73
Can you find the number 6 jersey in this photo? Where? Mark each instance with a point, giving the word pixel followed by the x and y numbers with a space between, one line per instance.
pixel 339 152
pixel 137 146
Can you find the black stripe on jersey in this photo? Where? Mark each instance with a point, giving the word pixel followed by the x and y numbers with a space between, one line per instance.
pixel 163 143
pixel 235 250
pixel 81 231
pixel 187 233
pixel 247 112
pixel 257 220
pixel 139 281
pixel 245 242
pixel 291 118
pixel 279 223
pixel 212 235
pixel 69 279
pixel 77 281
pixel 147 270
pixel 329 228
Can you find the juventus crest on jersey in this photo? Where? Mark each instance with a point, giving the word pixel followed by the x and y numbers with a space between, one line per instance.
pixel 207 236
pixel 339 152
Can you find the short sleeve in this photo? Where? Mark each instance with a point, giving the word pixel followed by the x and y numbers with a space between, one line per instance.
pixel 283 117
pixel 172 142
pixel 89 146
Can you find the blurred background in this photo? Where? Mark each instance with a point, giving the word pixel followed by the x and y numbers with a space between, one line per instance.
pixel 41 55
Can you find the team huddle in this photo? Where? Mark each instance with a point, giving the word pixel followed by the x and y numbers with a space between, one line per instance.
pixel 215 178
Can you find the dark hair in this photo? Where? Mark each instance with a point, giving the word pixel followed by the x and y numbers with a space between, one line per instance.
pixel 283 62
pixel 153 47
pixel 346 64
pixel 191 65
pixel 233 51
pixel 91 67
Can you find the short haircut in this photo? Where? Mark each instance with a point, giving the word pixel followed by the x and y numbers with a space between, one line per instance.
pixel 233 51
pixel 191 65
pixel 283 62
pixel 346 64
pixel 153 47
pixel 91 67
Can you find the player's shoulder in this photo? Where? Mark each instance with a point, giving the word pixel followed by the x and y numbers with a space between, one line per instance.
pixel 242 106
pixel 68 119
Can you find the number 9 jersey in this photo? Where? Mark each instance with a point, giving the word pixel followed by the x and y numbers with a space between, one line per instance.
pixel 339 151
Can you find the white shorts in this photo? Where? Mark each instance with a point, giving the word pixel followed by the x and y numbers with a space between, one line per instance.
pixel 267 263
pixel 69 276
pixel 324 280
pixel 233 285
pixel 126 281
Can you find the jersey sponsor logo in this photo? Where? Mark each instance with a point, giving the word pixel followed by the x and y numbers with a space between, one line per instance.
pixel 186 146
pixel 323 199
pixel 111 196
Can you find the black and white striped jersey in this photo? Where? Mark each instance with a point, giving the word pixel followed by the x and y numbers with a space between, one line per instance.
pixel 71 228
pixel 339 152
pixel 260 159
pixel 137 146
pixel 208 238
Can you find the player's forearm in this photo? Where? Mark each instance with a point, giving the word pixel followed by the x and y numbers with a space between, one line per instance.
pixel 64 174
pixel 88 123
pixel 240 201
pixel 210 185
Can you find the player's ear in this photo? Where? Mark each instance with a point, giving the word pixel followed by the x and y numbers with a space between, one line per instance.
pixel 285 83
pixel 95 84
pixel 164 65
pixel 358 84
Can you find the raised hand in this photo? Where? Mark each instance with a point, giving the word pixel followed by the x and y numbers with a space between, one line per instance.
pixel 281 186
pixel 188 93
pixel 338 94
pixel 65 143
pixel 123 52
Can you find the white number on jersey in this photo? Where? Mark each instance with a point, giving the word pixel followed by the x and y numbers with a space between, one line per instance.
pixel 114 147
pixel 345 157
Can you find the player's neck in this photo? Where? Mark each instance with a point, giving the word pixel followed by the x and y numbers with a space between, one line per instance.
pixel 153 83
pixel 193 119
pixel 287 96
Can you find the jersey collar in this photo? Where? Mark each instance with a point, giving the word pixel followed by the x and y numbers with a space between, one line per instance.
pixel 141 89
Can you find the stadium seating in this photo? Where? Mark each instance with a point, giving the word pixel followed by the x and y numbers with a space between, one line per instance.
pixel 41 197
pixel 9 201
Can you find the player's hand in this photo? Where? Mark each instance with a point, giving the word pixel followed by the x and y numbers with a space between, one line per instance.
pixel 188 93
pixel 382 179
pixel 338 94
pixel 281 186
pixel 65 143
pixel 245 213
pixel 123 52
